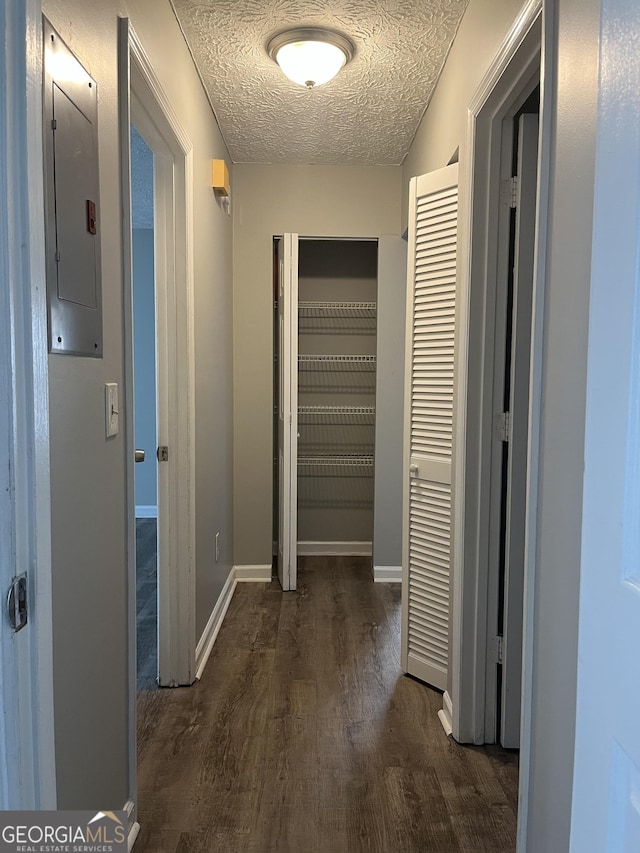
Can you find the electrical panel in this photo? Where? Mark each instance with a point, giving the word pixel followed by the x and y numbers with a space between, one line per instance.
pixel 72 212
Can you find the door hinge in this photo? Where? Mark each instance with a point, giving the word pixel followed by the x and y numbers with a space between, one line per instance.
pixel 17 609
pixel 510 191
pixel 163 453
pixel 499 649
pixel 503 426
pixel 54 124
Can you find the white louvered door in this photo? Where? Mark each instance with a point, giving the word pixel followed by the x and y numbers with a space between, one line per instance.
pixel 433 215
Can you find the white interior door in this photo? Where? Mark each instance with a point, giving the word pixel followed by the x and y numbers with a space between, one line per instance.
pixel 431 286
pixel 288 410
pixel 27 748
pixel 518 431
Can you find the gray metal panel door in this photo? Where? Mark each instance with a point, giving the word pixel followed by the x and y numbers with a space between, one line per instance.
pixel 73 227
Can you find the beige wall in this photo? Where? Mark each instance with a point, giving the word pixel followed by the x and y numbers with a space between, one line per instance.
pixel 323 201
pixel 441 132
pixel 88 472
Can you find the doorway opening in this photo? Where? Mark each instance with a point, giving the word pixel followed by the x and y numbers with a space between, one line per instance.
pixel 143 103
pixel 324 399
pixel 498 364
pixel 512 359
pixel 146 479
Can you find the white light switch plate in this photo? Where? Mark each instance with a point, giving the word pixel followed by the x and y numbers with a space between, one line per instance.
pixel 112 411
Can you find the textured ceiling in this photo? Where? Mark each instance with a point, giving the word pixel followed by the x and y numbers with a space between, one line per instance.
pixel 367 115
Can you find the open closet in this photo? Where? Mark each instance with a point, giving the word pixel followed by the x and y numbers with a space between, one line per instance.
pixel 326 352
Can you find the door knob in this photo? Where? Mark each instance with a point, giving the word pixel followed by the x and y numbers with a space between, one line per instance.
pixel 413 470
pixel 139 456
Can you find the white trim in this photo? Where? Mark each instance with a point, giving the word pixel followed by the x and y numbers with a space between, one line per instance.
pixel 446 714
pixel 27 755
pixel 208 638
pixel 547 73
pixel 138 84
pixel 173 168
pixel 253 574
pixel 134 826
pixel 127 278
pixel 508 76
pixel 387 574
pixel 146 511
pixel 334 549
pixel 134 830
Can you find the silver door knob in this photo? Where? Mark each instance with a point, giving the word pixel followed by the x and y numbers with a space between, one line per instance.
pixel 413 470
pixel 139 456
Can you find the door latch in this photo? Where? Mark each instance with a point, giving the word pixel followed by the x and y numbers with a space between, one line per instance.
pixel 17 602
pixel 163 453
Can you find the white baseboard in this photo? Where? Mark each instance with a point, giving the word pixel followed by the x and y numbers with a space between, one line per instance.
pixel 134 828
pixel 208 638
pixel 255 574
pixel 446 715
pixel 146 512
pixel 387 574
pixel 334 549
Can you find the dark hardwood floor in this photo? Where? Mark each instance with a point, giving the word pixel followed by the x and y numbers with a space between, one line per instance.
pixel 303 736
pixel 146 603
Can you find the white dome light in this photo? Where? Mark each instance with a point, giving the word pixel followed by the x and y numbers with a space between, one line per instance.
pixel 310 57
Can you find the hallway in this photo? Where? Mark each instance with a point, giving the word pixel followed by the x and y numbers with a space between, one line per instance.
pixel 303 736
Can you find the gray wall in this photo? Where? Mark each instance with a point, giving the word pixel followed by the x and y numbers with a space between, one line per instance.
pixel 88 472
pixel 392 288
pixel 482 30
pixel 322 201
pixel 145 365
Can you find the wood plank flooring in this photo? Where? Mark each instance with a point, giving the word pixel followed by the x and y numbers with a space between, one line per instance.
pixel 147 603
pixel 303 736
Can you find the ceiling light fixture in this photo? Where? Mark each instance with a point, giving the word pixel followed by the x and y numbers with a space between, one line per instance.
pixel 310 56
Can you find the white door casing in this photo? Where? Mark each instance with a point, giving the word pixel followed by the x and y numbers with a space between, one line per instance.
pixel 431 291
pixel 510 77
pixel 157 122
pixel 141 95
pixel 287 410
pixel 516 485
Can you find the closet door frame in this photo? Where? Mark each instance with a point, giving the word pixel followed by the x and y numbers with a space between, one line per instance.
pixel 288 411
pixel 288 288
pixel 519 61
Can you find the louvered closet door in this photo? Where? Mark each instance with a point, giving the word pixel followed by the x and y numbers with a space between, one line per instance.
pixel 433 215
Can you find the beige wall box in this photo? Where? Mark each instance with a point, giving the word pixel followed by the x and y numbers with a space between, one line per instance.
pixel 220 180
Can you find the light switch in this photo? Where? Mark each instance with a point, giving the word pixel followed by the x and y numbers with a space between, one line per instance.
pixel 111 408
